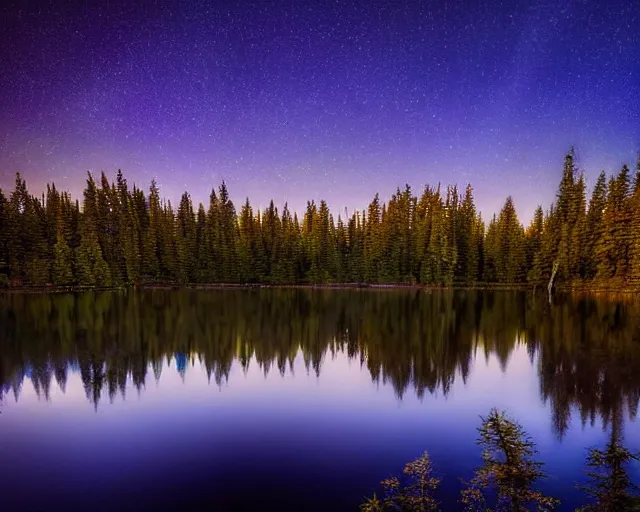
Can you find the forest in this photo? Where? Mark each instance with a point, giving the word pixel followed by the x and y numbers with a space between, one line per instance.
pixel 119 236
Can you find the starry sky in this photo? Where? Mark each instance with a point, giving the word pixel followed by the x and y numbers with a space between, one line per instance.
pixel 297 100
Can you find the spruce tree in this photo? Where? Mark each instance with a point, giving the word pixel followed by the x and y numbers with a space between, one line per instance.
pixel 610 487
pixel 62 266
pixel 91 268
pixel 510 251
pixel 373 241
pixel 151 236
pixel 595 227
pixel 533 237
pixel 4 230
pixel 507 478
pixel 413 492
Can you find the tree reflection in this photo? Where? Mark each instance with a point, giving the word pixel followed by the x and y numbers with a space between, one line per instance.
pixel 418 341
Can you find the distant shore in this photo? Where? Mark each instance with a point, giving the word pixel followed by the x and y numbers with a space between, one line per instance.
pixel 591 288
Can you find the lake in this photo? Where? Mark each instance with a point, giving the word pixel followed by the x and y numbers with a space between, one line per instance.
pixel 297 399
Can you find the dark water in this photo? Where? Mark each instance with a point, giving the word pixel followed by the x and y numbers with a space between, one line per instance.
pixel 293 399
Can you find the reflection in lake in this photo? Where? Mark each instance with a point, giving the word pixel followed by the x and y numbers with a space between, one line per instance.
pixel 299 424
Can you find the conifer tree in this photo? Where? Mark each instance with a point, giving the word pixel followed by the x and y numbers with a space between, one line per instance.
pixel 167 243
pixel 214 271
pixel 466 240
pixel 151 236
pixel 284 267
pixel 62 266
pixel 508 466
pixel 414 492
pixel 186 239
pixel 4 230
pixel 595 227
pixel 510 253
pixel 251 260
pixel 128 229
pixel 609 485
pixel 342 248
pixel 373 241
pixel 271 239
pixel 612 249
pixel 91 268
pixel 325 245
pixel 533 237
pixel 202 244
pixel 227 235
pixel 356 243
pixel 634 231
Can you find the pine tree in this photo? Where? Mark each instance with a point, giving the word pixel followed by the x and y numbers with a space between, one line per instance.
pixel 323 234
pixel 508 466
pixel 342 247
pixel 271 238
pixel 491 252
pixel 610 487
pixel 252 266
pixel 185 236
pixel 151 237
pixel 612 249
pixel 414 492
pixel 213 238
pixel 533 237
pixel 167 243
pixel 4 230
pixel 129 230
pixel 510 254
pixel 634 232
pixel 466 240
pixel 373 241
pixel 108 230
pixel 91 268
pixel 227 235
pixel 62 266
pixel 595 227
pixel 202 244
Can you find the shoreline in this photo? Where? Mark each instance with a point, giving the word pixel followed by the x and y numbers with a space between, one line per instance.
pixel 595 289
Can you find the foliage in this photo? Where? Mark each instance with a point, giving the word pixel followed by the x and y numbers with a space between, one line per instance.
pixel 610 487
pixel 120 236
pixel 508 472
pixel 414 493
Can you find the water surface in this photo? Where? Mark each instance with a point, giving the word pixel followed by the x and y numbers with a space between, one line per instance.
pixel 296 399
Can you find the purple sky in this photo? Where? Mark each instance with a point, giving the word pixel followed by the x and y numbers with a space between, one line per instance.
pixel 296 100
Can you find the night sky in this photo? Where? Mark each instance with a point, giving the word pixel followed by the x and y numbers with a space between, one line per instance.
pixel 297 100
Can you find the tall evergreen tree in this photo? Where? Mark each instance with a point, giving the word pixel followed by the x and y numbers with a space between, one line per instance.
pixel 62 266
pixel 533 239
pixel 151 237
pixel 4 231
pixel 91 268
pixel 595 226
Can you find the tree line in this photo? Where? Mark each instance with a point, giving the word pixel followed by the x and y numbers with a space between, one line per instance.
pixel 120 235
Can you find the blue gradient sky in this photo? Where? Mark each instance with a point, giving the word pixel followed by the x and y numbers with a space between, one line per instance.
pixel 297 100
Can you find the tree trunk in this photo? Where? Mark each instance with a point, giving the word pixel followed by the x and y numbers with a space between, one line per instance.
pixel 553 275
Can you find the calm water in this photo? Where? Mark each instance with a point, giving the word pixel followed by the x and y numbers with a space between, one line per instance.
pixel 293 399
